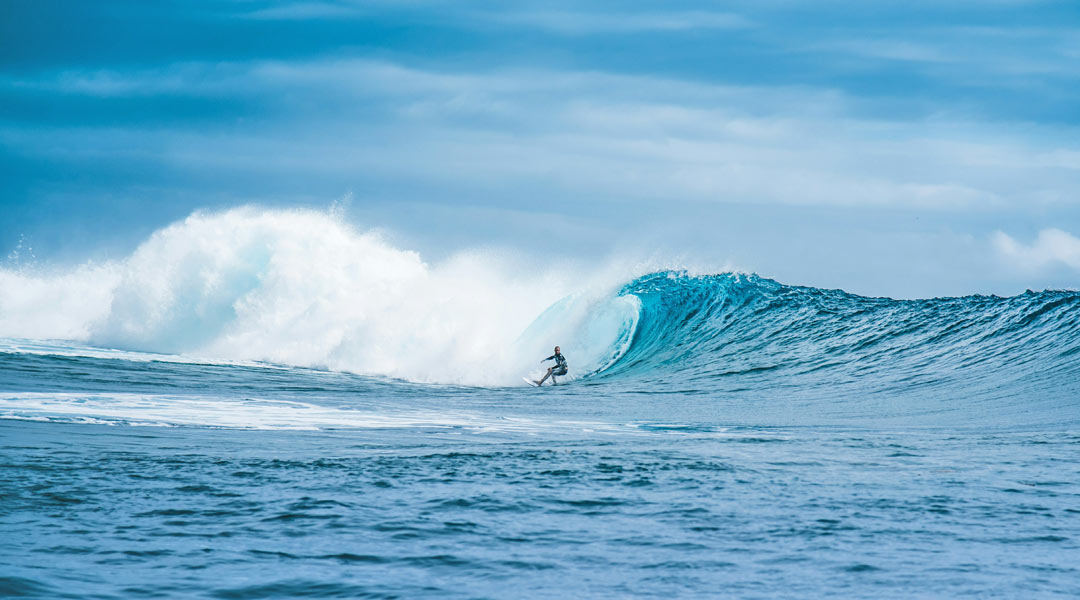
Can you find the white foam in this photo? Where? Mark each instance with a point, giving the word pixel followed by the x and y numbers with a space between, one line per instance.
pixel 304 288
pixel 243 413
pixel 68 348
pixel 65 305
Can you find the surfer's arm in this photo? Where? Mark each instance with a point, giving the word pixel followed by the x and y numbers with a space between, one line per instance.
pixel 548 358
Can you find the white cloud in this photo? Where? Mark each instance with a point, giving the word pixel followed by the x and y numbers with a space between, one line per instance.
pixel 1008 56
pixel 303 10
pixel 892 50
pixel 306 10
pixel 561 22
pixel 614 137
pixel 1052 246
pixel 582 23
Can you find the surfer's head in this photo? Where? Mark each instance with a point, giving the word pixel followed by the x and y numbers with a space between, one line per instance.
pixel 556 349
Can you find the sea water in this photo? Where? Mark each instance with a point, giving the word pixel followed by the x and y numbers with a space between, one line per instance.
pixel 243 409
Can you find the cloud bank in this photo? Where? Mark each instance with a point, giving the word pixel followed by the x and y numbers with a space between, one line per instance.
pixel 1051 247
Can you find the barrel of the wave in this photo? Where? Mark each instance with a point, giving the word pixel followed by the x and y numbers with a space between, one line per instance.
pixel 597 332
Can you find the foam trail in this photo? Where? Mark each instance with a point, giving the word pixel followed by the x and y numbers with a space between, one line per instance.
pixel 155 410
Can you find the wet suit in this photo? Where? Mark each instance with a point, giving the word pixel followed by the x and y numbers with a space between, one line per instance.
pixel 559 368
pixel 560 364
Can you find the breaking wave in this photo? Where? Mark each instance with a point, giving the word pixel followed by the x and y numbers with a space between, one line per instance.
pixel 303 288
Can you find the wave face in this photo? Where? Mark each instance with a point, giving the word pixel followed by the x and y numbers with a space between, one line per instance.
pixel 735 333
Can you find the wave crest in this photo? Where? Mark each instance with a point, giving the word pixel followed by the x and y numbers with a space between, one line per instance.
pixel 732 333
pixel 299 288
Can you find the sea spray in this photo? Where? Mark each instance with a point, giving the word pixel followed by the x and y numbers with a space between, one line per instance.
pixel 305 288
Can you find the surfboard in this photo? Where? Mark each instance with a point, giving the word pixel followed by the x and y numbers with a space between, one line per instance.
pixel 530 382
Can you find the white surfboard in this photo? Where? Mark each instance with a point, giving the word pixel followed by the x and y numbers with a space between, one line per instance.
pixel 531 382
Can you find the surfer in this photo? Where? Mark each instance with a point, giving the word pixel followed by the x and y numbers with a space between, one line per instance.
pixel 558 369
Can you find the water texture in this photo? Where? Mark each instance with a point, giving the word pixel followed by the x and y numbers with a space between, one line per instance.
pixel 722 435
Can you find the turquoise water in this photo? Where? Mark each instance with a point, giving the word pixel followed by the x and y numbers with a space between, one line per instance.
pixel 724 435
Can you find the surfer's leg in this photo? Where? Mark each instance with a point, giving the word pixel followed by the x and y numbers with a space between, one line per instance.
pixel 556 373
pixel 541 382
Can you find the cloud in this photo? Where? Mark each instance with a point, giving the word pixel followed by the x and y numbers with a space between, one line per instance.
pixel 583 23
pixel 1006 57
pixel 608 136
pixel 1051 247
pixel 306 10
pixel 310 10
pixel 562 22
pixel 901 50
pixel 179 79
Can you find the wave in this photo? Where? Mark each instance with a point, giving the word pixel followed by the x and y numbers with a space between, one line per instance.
pixel 303 288
pixel 742 332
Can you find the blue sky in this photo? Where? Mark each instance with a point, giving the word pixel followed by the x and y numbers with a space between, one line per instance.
pixel 889 148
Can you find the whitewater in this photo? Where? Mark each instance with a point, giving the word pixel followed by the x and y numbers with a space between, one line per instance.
pixel 276 404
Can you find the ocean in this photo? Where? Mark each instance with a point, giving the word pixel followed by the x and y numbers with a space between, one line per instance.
pixel 242 409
